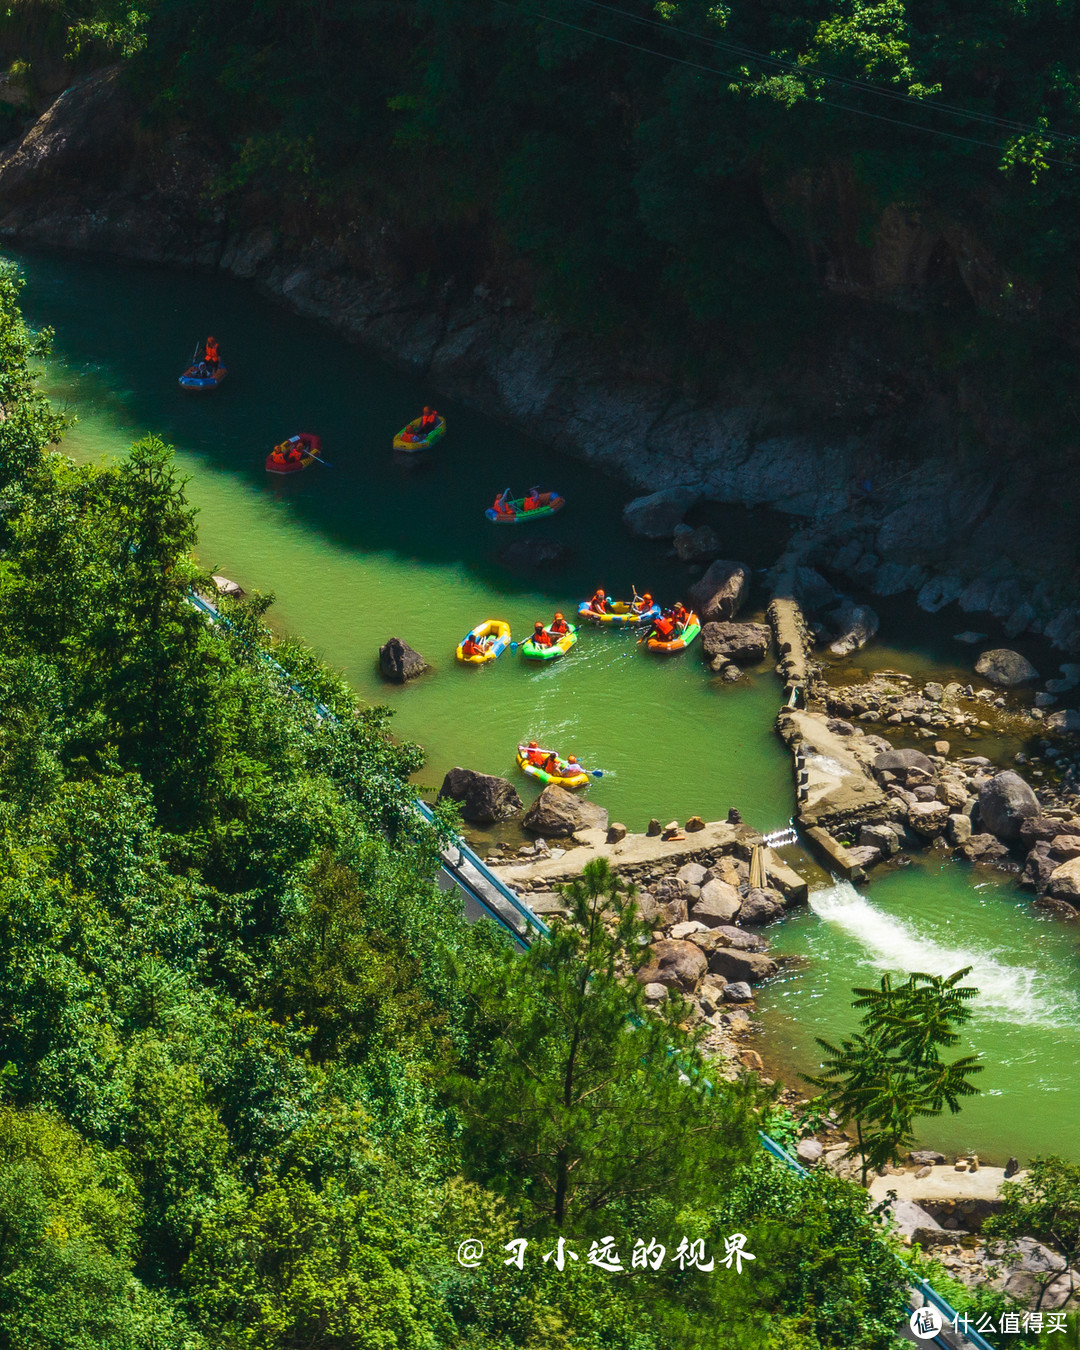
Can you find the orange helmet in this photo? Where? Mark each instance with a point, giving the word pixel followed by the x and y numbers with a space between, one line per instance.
pixel 532 745
pixel 427 410
pixel 558 615
pixel 538 624
pixel 646 596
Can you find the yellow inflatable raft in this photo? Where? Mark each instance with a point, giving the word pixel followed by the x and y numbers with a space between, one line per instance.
pixel 493 634
pixel 572 784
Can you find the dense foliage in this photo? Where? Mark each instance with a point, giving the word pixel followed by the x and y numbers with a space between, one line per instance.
pixel 686 171
pixel 259 1076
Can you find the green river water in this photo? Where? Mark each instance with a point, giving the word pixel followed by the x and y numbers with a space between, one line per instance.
pixel 376 546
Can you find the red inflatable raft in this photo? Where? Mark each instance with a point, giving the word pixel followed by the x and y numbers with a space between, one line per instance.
pixel 294 454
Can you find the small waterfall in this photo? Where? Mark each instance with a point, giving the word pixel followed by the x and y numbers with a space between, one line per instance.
pixel 1007 993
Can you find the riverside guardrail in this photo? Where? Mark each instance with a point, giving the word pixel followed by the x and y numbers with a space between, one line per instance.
pixel 497 901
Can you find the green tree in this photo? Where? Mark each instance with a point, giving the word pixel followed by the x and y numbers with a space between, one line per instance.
pixel 579 1102
pixel 1043 1204
pixel 891 1073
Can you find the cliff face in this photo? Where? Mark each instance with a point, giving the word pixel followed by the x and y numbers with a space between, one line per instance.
pixel 86 177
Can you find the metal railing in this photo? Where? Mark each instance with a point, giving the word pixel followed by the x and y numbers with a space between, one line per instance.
pixel 497 901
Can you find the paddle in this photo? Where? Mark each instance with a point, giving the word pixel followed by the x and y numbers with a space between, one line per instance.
pixel 319 460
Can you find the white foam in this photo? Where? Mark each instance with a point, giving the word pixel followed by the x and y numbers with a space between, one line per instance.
pixel 1007 993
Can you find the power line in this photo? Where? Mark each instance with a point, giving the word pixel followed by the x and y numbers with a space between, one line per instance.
pixel 864 85
pixel 713 70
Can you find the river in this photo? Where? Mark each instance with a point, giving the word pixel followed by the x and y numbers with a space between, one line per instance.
pixel 372 546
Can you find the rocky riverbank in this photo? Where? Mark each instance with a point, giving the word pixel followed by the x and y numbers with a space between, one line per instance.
pixel 881 514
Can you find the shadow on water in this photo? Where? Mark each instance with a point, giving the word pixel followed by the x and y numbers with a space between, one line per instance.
pixel 136 327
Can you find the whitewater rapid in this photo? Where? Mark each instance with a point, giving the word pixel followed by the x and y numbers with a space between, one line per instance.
pixel 1013 993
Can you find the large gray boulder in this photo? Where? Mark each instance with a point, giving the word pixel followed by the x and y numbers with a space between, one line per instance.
pixel 557 813
pixel 812 590
pixel 854 626
pixel 398 662
pixel 655 516
pixel 1005 803
pixel 1068 720
pixel 1005 668
pixel 484 797
pixel 721 591
pixel 743 643
pixel 717 904
pixel 733 965
pixel 679 965
pixel 1064 882
pixel 899 761
pixel 762 906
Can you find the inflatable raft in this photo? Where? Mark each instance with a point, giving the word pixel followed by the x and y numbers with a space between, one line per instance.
pixel 622 614
pixel 573 784
pixel 494 629
pixel 679 644
pixel 562 644
pixel 198 377
pixel 550 502
pixel 410 441
pixel 295 454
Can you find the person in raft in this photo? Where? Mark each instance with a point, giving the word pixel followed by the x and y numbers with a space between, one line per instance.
pixel 532 500
pixel 679 616
pixel 473 646
pixel 502 505
pixel 212 359
pixel 551 765
pixel 573 768
pixel 539 636
pixel 663 627
pixel 534 754
pixel 428 422
pixel 558 625
pixel 599 603
pixel 642 603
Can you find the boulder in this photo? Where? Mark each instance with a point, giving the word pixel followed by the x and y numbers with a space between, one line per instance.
pixel 734 965
pixel 808 1152
pixel 927 1157
pixel 854 626
pixel 721 591
pixel 761 906
pixel 1038 829
pixel 679 965
pixel 655 993
pixel 745 643
pixel 727 935
pixel 558 813
pixel 398 662
pixel 738 992
pixel 718 903
pixel 1005 668
pixel 616 832
pixel 928 818
pixel 1005 803
pixel 1064 882
pixel 984 848
pixel 536 555
pixel 484 797
pixel 958 829
pixel 694 825
pixel 900 761
pixel 939 592
pixel 655 516
pixel 812 590
pixel 1068 720
pixel 1066 846
pixel 691 874
pixel 232 589
pixel 881 837
pixel 700 545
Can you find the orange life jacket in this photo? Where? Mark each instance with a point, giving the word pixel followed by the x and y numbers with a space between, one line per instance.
pixel 599 603
pixel 530 503
pixel 212 352
pixel 663 628
pixel 542 639
pixel 559 626
pixel 536 757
